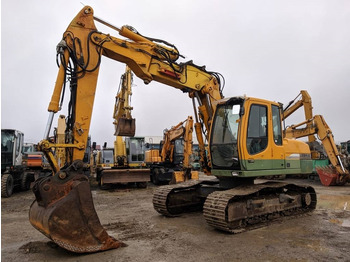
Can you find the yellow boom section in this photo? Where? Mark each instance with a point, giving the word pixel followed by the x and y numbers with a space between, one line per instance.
pixel 82 45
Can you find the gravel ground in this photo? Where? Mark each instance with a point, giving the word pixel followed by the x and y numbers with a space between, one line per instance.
pixel 127 214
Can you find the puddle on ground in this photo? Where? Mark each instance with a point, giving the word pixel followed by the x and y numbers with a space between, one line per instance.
pixel 333 202
pixel 346 223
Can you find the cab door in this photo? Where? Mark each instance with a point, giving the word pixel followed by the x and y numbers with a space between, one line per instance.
pixel 256 140
pixel 277 149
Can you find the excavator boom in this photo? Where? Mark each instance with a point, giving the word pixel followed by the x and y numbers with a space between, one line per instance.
pixel 147 59
pixel 79 53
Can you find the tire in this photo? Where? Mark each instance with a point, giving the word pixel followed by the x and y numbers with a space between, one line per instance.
pixel 7 184
pixel 25 181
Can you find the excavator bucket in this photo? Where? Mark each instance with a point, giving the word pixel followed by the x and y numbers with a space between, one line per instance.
pixel 64 212
pixel 329 176
pixel 125 127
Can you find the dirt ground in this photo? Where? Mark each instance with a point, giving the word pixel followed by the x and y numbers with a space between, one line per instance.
pixel 127 214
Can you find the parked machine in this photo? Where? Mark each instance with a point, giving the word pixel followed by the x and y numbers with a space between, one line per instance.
pixel 244 134
pixel 125 162
pixel 336 174
pixel 35 163
pixel 172 162
pixel 32 158
pixel 12 168
pixel 20 164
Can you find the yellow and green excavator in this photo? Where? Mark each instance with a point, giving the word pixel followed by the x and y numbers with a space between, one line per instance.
pixel 244 136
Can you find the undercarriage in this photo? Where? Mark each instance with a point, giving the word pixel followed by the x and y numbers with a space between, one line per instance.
pixel 238 209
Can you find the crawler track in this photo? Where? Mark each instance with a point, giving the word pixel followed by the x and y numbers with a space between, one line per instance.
pixel 239 209
pixel 248 207
pixel 171 200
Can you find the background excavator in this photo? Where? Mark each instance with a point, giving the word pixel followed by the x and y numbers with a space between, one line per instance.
pixel 172 162
pixel 244 136
pixel 336 174
pixel 125 162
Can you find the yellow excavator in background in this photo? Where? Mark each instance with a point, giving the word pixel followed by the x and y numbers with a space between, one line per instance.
pixel 172 162
pixel 125 162
pixel 336 174
pixel 244 136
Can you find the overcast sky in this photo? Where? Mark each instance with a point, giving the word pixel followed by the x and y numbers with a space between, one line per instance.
pixel 270 49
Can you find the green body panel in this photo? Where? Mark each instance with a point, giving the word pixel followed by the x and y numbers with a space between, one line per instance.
pixel 278 163
pixel 306 166
pixel 293 164
pixel 292 167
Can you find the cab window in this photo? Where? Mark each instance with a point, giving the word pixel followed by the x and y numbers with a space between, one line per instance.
pixel 276 125
pixel 257 129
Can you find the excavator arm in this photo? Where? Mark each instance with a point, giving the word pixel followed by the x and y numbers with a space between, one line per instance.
pixel 80 53
pixel 123 121
pixel 305 102
pixel 79 56
pixel 316 125
pixel 188 143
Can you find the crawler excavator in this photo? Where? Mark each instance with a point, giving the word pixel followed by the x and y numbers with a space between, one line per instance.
pixel 123 164
pixel 172 163
pixel 239 130
pixel 127 164
pixel 336 174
